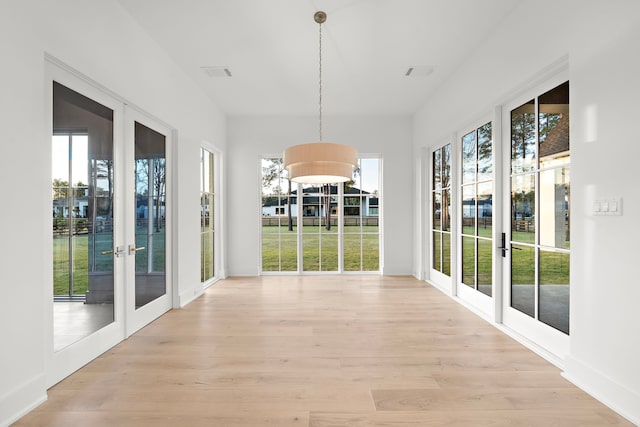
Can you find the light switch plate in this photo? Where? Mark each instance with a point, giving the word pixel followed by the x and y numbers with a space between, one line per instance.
pixel 609 207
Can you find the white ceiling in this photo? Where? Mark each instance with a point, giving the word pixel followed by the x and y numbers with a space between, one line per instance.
pixel 271 49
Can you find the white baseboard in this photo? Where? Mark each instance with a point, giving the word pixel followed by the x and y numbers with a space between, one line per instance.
pixel 22 400
pixel 616 396
pixel 188 296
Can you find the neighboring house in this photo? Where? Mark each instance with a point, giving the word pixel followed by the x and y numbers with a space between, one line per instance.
pixel 356 203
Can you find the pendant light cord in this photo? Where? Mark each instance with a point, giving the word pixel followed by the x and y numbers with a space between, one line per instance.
pixel 320 83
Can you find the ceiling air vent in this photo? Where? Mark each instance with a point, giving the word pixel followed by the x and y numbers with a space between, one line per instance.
pixel 218 71
pixel 419 71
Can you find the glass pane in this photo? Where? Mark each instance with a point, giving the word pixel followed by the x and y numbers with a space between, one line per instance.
pixel 271 245
pixel 485 153
pixel 206 171
pixel 523 279
pixel 207 256
pixel 446 166
pixel 437 210
pixel 446 253
pixel 469 209
pixel 469 261
pixel 469 158
pixel 485 209
pixel 150 214
pixel 352 250
pixel 554 208
pixel 203 218
pixel 329 258
pixel 369 172
pixel 61 218
pixel 288 247
pixel 311 245
pixel 485 268
pixel 523 138
pixel 553 125
pixel 523 208
pixel 82 210
pixel 437 251
pixel 437 170
pixel 446 210
pixel 370 252
pixel 554 290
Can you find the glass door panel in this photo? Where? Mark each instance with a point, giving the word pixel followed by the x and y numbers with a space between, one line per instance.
pixel 476 237
pixel 441 211
pixel 82 209
pixel 148 229
pixel 539 204
pixel 523 279
pixel 150 185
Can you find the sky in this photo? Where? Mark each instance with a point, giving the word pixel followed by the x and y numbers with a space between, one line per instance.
pixel 60 158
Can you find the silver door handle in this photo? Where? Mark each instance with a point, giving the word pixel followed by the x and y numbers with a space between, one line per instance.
pixel 117 252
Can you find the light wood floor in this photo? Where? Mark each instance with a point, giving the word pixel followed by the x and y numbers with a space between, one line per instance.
pixel 319 351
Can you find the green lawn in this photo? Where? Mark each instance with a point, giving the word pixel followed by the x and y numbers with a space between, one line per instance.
pixel 103 262
pixel 279 248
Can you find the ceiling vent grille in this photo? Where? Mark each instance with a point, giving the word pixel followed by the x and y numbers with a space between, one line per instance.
pixel 419 71
pixel 217 71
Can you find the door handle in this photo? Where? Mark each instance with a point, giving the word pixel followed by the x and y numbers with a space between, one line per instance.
pixel 133 249
pixel 118 251
pixel 503 246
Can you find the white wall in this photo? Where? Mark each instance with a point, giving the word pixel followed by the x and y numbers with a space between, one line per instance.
pixel 252 137
pixel 98 39
pixel 601 42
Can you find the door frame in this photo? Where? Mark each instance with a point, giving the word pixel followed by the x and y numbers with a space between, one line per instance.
pixel 60 364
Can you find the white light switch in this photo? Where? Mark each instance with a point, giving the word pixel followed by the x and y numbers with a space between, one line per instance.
pixel 611 206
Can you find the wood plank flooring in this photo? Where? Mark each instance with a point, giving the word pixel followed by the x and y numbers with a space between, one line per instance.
pixel 319 351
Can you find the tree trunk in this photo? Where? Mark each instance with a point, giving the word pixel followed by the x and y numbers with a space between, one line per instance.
pixel 327 208
pixel 290 218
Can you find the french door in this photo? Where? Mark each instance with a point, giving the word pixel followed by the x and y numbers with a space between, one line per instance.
pixel 536 216
pixel 147 223
pixel 111 222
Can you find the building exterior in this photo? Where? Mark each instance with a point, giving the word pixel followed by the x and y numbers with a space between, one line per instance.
pixel 357 203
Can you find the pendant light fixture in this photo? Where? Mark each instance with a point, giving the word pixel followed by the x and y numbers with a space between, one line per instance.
pixel 320 162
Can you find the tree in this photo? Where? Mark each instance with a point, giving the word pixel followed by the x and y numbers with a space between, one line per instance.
pixel 158 174
pixel 104 172
pixel 60 188
pixel 272 173
pixel 159 181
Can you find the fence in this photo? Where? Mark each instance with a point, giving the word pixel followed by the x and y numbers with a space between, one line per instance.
pixel 317 221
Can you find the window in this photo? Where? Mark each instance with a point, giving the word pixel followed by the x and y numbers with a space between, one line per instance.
pixel 336 225
pixel 361 229
pixel 441 210
pixel 207 223
pixel 279 230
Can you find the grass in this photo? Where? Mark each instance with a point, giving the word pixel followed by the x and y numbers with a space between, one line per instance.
pixel 320 248
pixel 103 263
pixel 279 253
